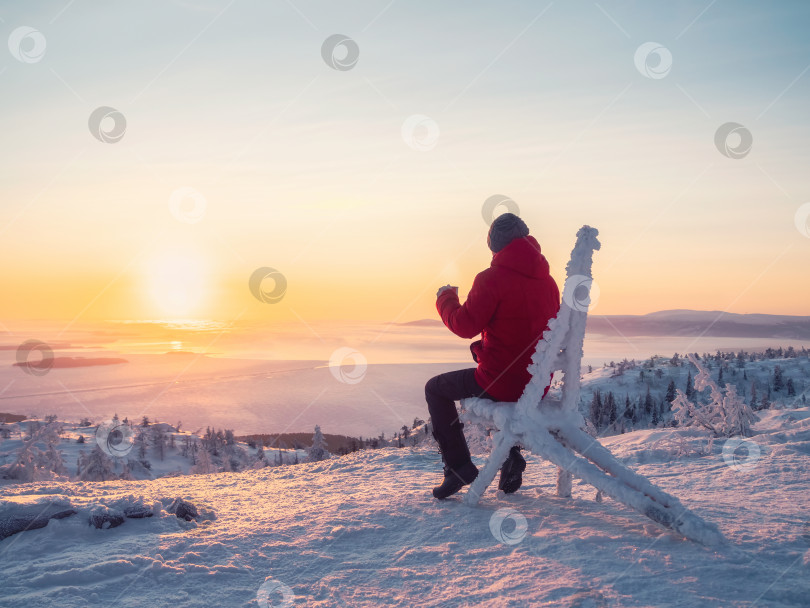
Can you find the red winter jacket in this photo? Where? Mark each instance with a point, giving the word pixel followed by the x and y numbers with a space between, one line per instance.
pixel 510 305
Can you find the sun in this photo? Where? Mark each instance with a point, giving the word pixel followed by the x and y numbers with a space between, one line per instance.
pixel 177 282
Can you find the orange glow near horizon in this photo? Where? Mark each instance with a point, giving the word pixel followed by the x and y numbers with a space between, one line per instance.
pixel 182 283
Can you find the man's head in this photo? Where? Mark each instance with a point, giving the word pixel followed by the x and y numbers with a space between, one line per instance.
pixel 506 228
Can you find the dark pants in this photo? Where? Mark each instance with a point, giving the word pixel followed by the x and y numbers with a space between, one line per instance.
pixel 441 393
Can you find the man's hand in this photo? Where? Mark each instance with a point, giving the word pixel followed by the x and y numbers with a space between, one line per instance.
pixel 445 287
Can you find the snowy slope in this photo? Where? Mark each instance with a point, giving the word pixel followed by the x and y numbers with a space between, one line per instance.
pixel 362 530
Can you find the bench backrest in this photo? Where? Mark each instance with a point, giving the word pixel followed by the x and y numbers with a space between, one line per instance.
pixel 560 348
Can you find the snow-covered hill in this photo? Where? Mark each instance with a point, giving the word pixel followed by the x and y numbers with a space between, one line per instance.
pixel 363 530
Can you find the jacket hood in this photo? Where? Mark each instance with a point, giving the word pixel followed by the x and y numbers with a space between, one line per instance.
pixel 522 255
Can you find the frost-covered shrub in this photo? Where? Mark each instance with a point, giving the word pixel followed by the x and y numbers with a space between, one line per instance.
pixel 725 415
pixel 38 458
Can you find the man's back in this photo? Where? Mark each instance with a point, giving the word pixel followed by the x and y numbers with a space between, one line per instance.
pixel 510 304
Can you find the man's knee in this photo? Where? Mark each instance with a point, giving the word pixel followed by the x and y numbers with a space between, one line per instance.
pixel 432 386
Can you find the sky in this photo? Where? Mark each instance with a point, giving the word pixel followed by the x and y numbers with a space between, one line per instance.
pixel 249 144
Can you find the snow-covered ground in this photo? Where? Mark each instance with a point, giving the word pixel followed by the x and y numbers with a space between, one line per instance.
pixel 363 530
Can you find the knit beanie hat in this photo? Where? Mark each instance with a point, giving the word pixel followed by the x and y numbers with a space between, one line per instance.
pixel 506 228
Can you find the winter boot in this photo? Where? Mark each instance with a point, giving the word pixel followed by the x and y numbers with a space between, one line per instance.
pixel 512 472
pixel 455 479
pixel 459 469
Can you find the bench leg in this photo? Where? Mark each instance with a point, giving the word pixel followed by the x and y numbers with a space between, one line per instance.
pixel 500 452
pixel 564 481
pixel 676 518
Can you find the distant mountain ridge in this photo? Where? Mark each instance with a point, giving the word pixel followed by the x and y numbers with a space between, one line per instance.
pixel 684 322
pixel 703 322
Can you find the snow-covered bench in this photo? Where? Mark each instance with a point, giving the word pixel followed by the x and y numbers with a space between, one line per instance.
pixel 553 428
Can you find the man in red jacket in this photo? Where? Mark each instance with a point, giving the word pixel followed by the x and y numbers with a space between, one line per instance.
pixel 510 305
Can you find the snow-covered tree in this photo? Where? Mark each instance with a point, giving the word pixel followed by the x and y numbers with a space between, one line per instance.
pixel 318 450
pixel 204 465
pixel 96 466
pixel 52 460
pixel 140 443
pixel 159 441
pixel 38 458
pixel 260 459
pixel 726 414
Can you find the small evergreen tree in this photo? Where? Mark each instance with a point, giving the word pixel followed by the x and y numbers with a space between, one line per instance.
pixel 318 450
pixel 96 466
pixel 690 391
pixel 670 391
pixel 778 379
pixel 628 408
pixel 766 399
pixel 648 402
pixel 596 408
pixel 159 442
pixel 612 409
